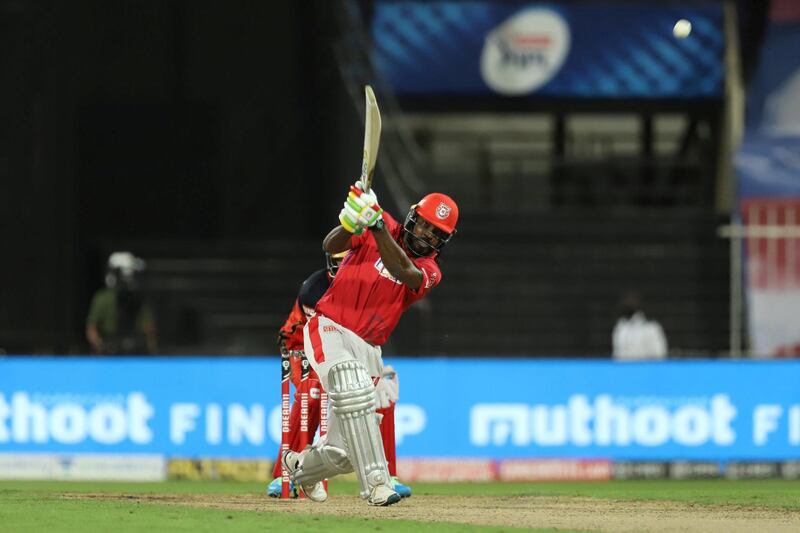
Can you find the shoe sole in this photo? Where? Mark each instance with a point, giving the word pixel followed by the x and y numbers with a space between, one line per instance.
pixel 392 499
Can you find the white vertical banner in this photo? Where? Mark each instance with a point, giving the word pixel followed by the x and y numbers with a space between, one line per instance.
pixel 773 276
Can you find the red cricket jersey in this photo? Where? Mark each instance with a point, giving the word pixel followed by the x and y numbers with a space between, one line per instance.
pixel 364 297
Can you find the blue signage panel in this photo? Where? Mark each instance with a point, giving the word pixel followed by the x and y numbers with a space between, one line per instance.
pixel 613 50
pixel 223 407
pixel 768 166
pixel 767 162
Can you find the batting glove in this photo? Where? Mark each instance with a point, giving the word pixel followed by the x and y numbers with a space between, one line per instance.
pixel 366 203
pixel 350 220
pixel 369 198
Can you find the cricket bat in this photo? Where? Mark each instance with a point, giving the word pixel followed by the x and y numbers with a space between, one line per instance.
pixel 372 138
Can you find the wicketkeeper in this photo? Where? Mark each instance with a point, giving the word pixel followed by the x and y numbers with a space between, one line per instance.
pixel 389 267
pixel 290 340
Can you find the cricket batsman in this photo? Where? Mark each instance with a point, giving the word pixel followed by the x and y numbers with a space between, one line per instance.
pixel 290 340
pixel 389 267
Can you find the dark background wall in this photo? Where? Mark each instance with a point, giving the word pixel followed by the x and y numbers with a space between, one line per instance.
pixel 215 139
pixel 156 120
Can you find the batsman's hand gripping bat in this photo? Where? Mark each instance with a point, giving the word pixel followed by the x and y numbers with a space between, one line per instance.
pixel 372 138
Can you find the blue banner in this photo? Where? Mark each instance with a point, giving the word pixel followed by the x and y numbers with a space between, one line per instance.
pixel 773 94
pixel 769 166
pixel 222 407
pixel 768 163
pixel 613 50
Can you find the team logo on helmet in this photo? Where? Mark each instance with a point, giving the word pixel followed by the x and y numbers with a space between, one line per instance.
pixel 443 211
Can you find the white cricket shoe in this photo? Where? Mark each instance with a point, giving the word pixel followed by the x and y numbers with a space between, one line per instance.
pixel 315 492
pixel 382 496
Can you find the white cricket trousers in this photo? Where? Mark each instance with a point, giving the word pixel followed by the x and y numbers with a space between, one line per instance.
pixel 327 343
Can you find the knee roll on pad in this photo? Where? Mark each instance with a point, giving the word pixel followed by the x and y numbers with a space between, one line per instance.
pixel 352 397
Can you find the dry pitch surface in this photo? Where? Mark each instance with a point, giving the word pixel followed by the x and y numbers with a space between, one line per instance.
pixel 576 513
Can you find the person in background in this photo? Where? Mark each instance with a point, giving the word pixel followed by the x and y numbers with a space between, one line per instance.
pixel 119 320
pixel 635 337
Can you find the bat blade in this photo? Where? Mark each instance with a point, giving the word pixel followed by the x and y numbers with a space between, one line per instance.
pixel 372 138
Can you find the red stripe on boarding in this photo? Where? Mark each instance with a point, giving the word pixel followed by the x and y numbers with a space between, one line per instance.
pixel 316 341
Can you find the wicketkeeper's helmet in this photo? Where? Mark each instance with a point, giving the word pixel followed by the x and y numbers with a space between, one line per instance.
pixel 332 262
pixel 441 214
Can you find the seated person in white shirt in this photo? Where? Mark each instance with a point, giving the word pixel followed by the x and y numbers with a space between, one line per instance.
pixel 635 337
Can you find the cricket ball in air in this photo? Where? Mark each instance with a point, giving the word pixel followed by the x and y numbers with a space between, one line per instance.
pixel 682 29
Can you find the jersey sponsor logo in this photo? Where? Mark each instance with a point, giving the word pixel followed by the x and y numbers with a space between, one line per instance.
pixel 329 329
pixel 432 277
pixel 525 52
pixel 443 211
pixel 385 273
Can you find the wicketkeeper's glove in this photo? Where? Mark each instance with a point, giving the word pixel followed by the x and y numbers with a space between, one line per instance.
pixel 387 391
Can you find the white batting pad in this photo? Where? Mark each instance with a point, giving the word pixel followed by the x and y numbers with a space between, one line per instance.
pixel 353 399
pixel 320 462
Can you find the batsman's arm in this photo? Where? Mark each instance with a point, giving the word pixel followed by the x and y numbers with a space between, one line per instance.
pixel 395 259
pixel 338 240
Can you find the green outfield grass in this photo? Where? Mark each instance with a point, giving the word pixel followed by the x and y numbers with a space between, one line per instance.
pixel 27 514
pixel 44 506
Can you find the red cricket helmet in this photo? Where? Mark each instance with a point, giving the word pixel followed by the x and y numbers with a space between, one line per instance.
pixel 438 210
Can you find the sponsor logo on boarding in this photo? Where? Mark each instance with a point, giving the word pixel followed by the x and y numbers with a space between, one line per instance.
pixel 385 273
pixel 525 51
pixel 67 418
pixel 443 211
pixel 605 421
pixel 207 468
